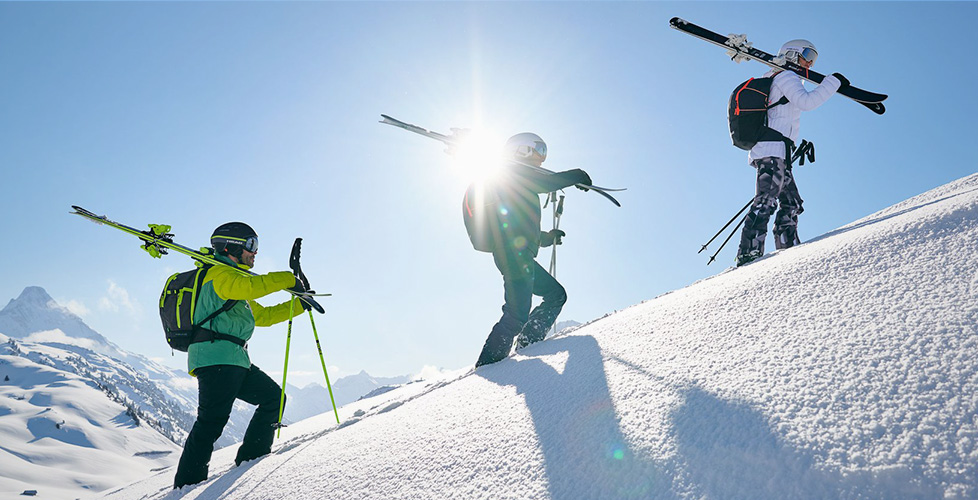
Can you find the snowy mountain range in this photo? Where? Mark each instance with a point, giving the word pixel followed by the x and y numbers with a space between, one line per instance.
pixel 846 367
pixel 65 390
pixel 65 429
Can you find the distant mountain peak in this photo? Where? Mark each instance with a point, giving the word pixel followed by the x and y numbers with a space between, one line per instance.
pixel 31 296
pixel 35 311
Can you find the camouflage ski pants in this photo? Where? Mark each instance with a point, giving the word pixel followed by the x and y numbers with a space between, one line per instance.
pixel 775 186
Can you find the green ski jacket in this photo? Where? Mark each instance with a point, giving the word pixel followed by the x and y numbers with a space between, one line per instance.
pixel 221 284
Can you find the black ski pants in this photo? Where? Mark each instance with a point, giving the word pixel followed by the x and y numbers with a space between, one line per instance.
pixel 218 386
pixel 522 279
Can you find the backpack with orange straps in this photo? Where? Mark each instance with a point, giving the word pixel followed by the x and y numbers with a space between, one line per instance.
pixel 747 114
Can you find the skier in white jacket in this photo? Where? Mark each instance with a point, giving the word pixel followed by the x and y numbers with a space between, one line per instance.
pixel 775 183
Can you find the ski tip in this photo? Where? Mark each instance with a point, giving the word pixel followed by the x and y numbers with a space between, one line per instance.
pixel 875 107
pixel 81 211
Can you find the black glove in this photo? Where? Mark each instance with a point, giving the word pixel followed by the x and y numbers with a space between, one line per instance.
pixel 306 306
pixel 844 80
pixel 583 178
pixel 551 237
pixel 298 287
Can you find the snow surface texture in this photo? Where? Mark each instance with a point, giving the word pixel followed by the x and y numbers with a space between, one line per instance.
pixel 34 397
pixel 51 334
pixel 61 435
pixel 846 367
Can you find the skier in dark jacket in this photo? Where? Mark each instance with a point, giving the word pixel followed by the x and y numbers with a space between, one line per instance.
pixel 223 368
pixel 502 216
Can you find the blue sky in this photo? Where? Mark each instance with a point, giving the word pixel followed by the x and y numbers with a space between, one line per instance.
pixel 196 114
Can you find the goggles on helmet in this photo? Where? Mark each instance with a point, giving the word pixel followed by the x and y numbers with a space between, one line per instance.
pixel 809 54
pixel 538 148
pixel 250 244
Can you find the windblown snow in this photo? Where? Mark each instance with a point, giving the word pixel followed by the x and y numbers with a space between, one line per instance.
pixel 846 367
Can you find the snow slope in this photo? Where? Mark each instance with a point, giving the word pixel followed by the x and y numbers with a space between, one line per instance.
pixel 846 367
pixel 62 436
pixel 167 396
pixel 162 401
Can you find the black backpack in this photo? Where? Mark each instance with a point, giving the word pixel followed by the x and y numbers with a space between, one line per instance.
pixel 177 304
pixel 480 218
pixel 747 114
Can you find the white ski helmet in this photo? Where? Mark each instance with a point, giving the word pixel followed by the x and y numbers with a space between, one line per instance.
pixel 791 50
pixel 526 146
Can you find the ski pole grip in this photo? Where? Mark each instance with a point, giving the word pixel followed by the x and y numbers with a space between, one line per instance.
pixel 294 258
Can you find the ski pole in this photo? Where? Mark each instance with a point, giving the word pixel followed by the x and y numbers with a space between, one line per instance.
pixel 285 370
pixel 558 211
pixel 323 361
pixel 301 277
pixel 725 226
pixel 712 258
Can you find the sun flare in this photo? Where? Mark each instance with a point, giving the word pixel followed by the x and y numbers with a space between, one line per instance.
pixel 476 157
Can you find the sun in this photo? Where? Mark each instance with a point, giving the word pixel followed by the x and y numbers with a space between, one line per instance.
pixel 476 155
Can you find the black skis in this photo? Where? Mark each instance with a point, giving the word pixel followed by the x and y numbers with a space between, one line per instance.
pixel 453 140
pixel 740 48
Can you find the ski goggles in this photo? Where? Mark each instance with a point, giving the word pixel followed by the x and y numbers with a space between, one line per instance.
pixel 539 149
pixel 809 54
pixel 250 244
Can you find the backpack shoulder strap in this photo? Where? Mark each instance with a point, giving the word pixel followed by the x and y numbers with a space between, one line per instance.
pixel 208 335
pixel 783 100
pixel 227 306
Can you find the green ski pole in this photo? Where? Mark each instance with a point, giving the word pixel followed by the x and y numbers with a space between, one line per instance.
pixel 323 361
pixel 301 277
pixel 285 370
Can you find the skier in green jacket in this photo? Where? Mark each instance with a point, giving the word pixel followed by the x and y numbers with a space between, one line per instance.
pixel 223 369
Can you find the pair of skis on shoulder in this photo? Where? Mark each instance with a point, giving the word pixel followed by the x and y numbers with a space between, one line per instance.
pixel 157 241
pixel 455 138
pixel 740 49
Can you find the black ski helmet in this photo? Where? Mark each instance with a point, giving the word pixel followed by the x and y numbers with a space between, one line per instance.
pixel 231 237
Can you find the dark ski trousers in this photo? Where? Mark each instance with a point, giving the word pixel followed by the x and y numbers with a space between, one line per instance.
pixel 775 186
pixel 522 279
pixel 218 386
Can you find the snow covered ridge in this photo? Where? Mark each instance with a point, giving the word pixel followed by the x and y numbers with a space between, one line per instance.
pixel 43 416
pixel 143 400
pixel 59 433
pixel 846 367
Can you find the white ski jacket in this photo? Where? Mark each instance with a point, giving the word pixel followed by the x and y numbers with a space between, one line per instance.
pixel 786 118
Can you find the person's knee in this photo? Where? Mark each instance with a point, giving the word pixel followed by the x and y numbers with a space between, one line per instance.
pixel 274 403
pixel 557 298
pixel 210 419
